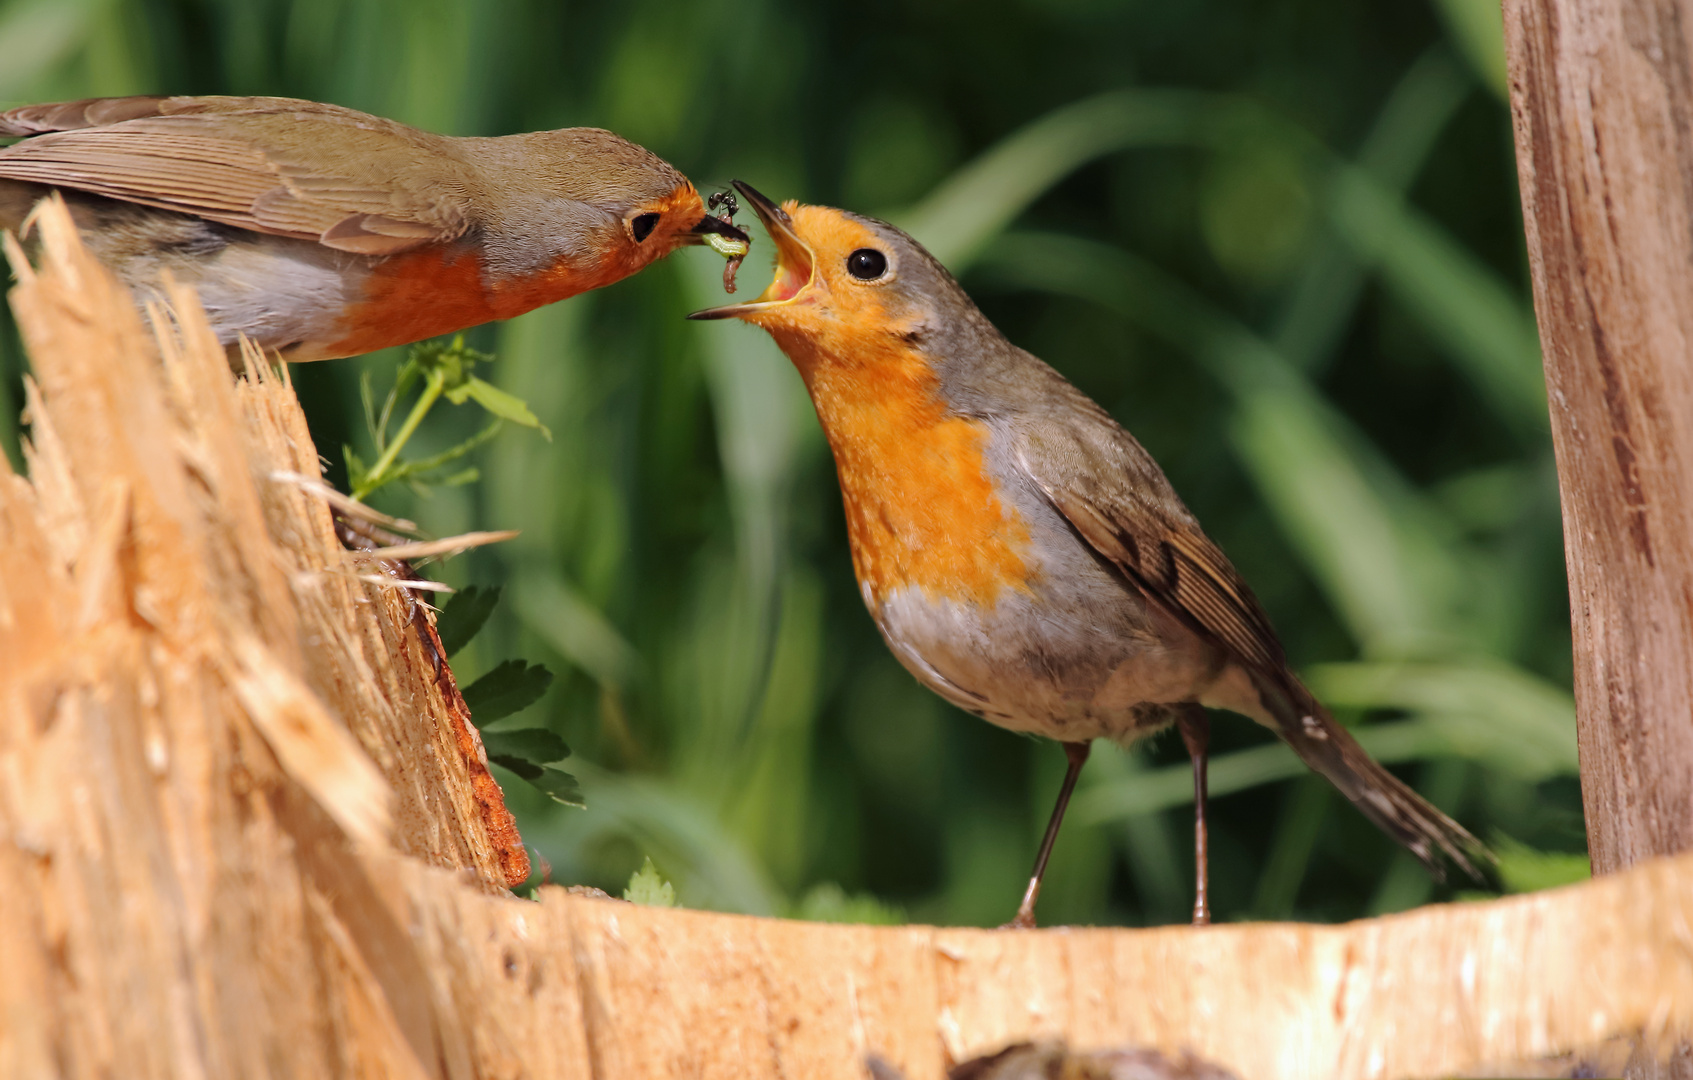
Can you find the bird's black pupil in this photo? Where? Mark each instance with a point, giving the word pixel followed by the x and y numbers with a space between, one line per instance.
pixel 643 226
pixel 867 264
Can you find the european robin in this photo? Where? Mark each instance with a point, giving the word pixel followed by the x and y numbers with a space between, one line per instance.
pixel 1020 552
pixel 320 232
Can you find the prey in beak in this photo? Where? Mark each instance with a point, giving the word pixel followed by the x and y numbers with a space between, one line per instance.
pixel 712 226
pixel 795 263
pixel 718 231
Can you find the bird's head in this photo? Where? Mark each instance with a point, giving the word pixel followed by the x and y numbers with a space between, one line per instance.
pixel 599 203
pixel 847 286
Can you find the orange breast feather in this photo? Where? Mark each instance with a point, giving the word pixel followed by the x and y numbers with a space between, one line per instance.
pixel 440 290
pixel 921 509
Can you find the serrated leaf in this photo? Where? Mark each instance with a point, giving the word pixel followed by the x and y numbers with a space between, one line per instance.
pixel 555 784
pixel 647 887
pixel 559 786
pixel 509 687
pixel 465 614
pixel 531 744
pixel 523 767
pixel 502 404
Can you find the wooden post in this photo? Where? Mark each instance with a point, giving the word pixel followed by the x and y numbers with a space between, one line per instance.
pixel 1602 107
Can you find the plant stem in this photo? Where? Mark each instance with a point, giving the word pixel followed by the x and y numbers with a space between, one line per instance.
pixel 374 478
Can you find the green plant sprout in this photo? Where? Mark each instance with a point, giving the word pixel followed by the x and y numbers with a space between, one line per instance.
pixel 648 887
pixel 445 370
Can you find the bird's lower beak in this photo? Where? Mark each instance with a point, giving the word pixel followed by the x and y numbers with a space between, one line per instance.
pixel 795 264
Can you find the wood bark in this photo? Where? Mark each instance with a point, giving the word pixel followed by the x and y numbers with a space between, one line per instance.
pixel 1602 109
pixel 238 837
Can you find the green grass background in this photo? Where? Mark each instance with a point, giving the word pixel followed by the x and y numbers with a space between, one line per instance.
pixel 1279 239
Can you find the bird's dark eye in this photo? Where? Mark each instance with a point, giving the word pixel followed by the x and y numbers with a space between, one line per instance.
pixel 867 264
pixel 643 226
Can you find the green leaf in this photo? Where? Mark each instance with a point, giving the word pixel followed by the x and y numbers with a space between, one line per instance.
pixel 559 786
pixel 537 745
pixel 501 404
pixel 357 470
pixel 523 767
pixel 508 688
pixel 646 887
pixel 465 614
pixel 555 784
pixel 451 361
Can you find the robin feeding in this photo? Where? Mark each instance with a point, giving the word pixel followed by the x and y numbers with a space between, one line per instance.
pixel 1023 556
pixel 322 232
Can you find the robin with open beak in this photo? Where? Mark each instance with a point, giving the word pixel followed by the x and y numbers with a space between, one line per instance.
pixel 1022 555
pixel 321 232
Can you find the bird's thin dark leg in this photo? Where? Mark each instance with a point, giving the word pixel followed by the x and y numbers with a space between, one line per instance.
pixel 1195 727
pixel 1077 752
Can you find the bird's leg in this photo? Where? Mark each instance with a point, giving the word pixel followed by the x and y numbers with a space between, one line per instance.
pixel 1077 752
pixel 1195 727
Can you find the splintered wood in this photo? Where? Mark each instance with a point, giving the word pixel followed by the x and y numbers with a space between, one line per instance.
pixel 242 835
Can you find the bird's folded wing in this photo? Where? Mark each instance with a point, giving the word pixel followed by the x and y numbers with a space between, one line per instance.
pixel 1118 500
pixel 253 163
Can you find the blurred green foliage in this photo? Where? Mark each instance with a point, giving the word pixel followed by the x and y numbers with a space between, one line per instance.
pixel 1279 240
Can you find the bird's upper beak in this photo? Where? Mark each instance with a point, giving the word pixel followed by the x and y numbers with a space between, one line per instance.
pixel 712 224
pixel 795 263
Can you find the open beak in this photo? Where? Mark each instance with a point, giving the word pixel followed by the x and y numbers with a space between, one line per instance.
pixel 795 264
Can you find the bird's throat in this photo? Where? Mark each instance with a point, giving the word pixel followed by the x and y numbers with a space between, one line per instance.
pixel 922 508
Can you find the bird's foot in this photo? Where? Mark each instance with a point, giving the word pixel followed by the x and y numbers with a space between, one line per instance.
pixel 1023 920
pixel 1025 917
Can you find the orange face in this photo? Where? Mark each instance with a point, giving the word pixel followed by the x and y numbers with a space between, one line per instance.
pixel 835 283
pixel 922 509
pixel 649 232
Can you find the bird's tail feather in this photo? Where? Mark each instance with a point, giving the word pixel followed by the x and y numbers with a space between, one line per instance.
pixel 1386 800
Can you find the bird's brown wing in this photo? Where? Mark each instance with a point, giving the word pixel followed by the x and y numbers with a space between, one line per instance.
pixel 1117 498
pixel 274 165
